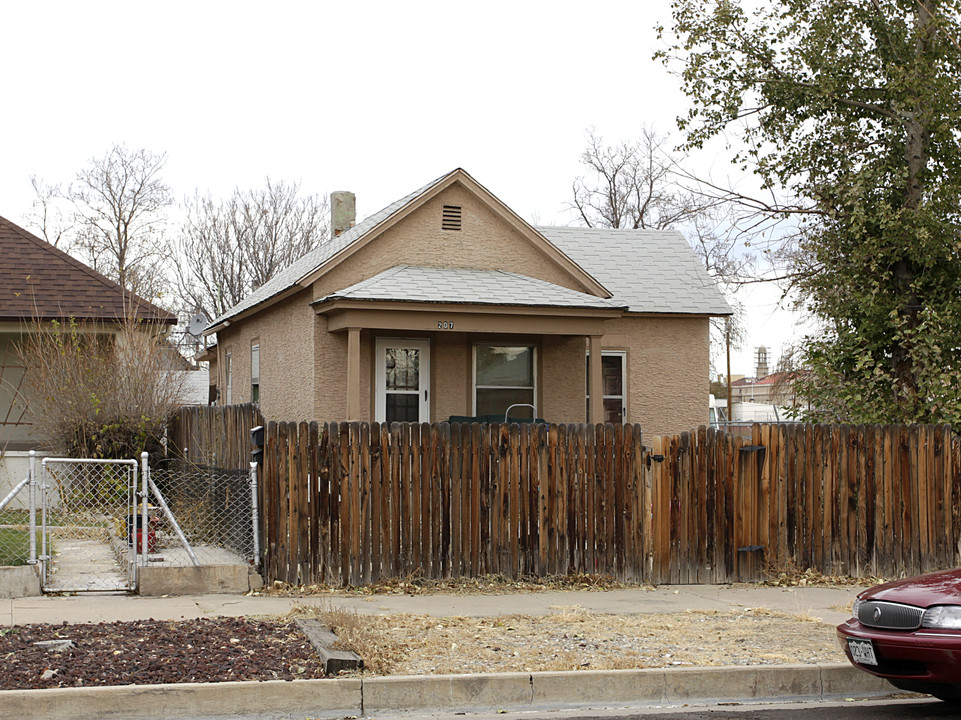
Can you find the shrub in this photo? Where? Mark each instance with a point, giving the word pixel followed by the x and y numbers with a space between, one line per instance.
pixel 101 391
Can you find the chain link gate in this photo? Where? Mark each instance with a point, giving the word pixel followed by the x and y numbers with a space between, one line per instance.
pixel 91 525
pixel 89 522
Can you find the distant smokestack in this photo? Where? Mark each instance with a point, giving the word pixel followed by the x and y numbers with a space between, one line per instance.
pixel 760 357
pixel 343 212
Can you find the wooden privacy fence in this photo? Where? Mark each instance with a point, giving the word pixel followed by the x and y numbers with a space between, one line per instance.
pixel 216 435
pixel 354 504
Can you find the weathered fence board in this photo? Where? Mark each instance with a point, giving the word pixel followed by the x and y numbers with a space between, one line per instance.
pixel 352 504
pixel 218 435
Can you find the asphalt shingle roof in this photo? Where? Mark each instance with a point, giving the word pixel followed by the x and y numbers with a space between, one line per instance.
pixel 40 282
pixel 650 271
pixel 467 286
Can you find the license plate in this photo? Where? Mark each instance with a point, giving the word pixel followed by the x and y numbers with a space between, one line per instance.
pixel 862 651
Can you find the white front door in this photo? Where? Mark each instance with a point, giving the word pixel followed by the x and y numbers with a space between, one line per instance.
pixel 403 380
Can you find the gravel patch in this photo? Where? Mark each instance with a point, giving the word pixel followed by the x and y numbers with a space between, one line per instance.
pixel 151 652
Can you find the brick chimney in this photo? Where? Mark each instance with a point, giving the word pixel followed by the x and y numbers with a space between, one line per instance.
pixel 343 212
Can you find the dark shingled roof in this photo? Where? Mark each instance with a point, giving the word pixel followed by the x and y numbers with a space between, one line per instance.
pixel 40 282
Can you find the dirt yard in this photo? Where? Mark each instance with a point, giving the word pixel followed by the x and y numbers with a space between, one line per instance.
pixel 573 639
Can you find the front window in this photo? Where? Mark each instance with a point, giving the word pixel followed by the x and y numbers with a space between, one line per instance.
pixel 504 376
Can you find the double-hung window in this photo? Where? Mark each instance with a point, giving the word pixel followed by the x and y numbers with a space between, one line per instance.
pixel 504 375
pixel 255 373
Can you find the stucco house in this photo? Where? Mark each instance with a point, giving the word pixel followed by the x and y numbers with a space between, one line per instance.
pixel 447 304
pixel 38 283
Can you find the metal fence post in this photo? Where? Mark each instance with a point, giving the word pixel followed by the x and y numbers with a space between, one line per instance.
pixel 33 508
pixel 255 514
pixel 145 520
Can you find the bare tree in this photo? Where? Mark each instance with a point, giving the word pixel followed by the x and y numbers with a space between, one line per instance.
pixel 230 248
pixel 49 216
pixel 634 185
pixel 640 185
pixel 120 205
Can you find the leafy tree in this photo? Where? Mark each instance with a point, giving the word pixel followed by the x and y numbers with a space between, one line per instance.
pixel 849 109
pixel 232 247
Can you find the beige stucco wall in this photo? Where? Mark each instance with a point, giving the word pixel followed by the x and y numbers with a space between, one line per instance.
pixel 668 367
pixel 330 374
pixel 286 358
pixel 563 380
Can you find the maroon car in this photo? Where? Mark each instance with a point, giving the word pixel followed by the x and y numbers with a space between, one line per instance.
pixel 909 633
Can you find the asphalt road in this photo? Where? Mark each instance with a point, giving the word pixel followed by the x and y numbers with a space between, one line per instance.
pixel 913 709
pixel 904 709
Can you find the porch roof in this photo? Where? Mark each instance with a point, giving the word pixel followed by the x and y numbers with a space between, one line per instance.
pixel 467 286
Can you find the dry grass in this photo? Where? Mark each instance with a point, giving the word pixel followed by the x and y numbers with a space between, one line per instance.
pixel 575 639
pixel 782 576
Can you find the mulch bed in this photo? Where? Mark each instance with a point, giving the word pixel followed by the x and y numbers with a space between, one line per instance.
pixel 151 651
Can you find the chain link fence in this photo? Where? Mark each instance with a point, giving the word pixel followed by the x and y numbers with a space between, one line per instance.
pixel 91 509
pixel 213 508
pixel 15 527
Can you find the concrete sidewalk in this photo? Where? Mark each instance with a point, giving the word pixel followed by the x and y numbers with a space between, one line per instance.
pixel 373 696
pixel 832 605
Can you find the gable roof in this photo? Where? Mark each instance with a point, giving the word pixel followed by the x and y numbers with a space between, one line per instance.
pixel 406 283
pixel 41 282
pixel 650 271
pixel 304 271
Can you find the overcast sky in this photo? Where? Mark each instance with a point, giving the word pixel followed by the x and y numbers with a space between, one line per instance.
pixel 374 97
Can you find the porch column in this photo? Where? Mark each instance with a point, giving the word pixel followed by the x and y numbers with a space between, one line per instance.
pixel 353 373
pixel 595 384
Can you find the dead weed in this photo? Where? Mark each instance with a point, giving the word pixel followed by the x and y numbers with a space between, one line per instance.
pixel 791 575
pixel 487 584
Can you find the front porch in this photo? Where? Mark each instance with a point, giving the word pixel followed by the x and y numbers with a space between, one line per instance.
pixel 420 362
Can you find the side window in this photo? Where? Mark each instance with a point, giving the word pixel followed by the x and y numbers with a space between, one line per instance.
pixel 613 380
pixel 255 373
pixel 228 380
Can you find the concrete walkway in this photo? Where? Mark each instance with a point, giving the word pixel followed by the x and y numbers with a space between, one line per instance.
pixel 832 605
pixel 85 563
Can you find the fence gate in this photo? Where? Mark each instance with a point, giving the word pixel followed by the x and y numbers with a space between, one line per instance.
pixel 88 525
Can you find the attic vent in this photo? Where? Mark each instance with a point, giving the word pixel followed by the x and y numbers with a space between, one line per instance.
pixel 451 219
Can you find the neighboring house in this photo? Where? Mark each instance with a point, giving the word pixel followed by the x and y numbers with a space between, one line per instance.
pixel 763 399
pixel 38 283
pixel 447 304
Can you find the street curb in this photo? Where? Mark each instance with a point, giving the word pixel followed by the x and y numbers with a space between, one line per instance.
pixel 340 697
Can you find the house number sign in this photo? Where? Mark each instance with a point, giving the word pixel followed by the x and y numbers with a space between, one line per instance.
pixel 445 325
